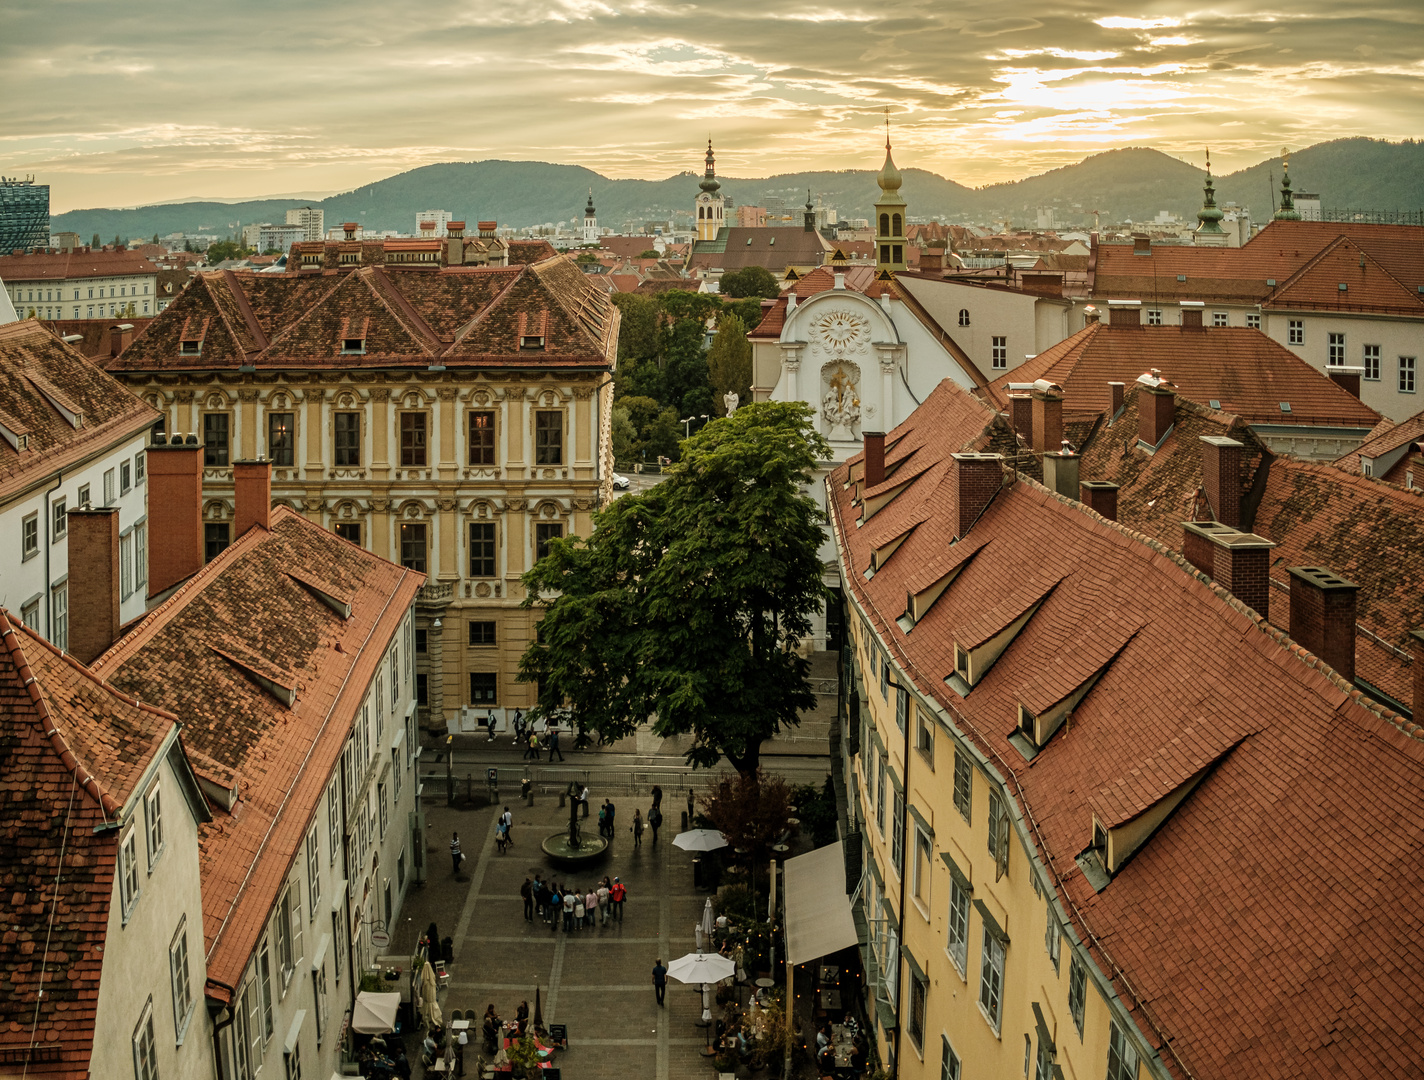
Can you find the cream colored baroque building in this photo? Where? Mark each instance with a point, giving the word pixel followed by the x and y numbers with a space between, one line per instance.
pixel 451 418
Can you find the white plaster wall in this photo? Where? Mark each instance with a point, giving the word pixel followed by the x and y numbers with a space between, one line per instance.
pixel 1030 324
pixel 1395 337
pixel 22 580
pixel 85 298
pixel 136 967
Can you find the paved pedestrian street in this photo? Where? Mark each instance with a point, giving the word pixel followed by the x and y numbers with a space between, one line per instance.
pixel 597 982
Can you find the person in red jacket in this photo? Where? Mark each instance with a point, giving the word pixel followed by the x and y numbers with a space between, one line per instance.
pixel 616 895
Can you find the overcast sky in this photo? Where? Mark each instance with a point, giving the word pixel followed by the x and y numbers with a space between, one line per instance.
pixel 116 104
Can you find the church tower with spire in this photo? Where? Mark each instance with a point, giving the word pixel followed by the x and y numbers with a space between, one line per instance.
pixel 889 216
pixel 590 221
pixel 709 200
pixel 1287 212
pixel 1209 232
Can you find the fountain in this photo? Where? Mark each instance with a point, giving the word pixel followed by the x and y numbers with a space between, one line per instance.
pixel 572 849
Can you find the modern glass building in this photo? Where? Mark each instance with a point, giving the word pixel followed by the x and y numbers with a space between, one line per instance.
pixel 24 215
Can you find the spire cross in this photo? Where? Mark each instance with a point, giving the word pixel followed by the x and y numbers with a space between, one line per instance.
pixel 887 127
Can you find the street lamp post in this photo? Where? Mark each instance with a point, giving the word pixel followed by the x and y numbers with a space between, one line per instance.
pixel 686 424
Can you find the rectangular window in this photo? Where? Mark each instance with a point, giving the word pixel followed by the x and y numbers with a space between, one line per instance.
pixel 109 488
pixel 348 530
pixel 482 633
pixel 1406 374
pixel 395 775
pixel 548 438
pixel 880 799
pixel 884 676
pixel 125 477
pixel 1122 1058
pixel 60 601
pixel 128 872
pixel 1371 360
pixel 382 806
pixel 153 820
pixel 83 499
pixel 313 870
pixel 919 990
pixel 322 1007
pixel 412 545
pixel 924 737
pixel 996 815
pixel 1295 332
pixel 61 519
pixel 145 1062
pixel 1053 938
pixel 991 981
pixel 897 842
pixel 126 566
pixel 422 642
pixel 182 983
pixel 1077 992
pixel 244 1033
pixel 1154 316
pixel 347 433
pixel 484 688
pixel 140 467
pixel 1000 349
pixel 902 706
pixel 215 539
pixel 264 975
pixel 1219 318
pixel 963 783
pixel 412 440
pixel 30 614
pixel 482 549
pixel 140 553
pixel 338 922
pixel 948 1061
pixel 215 440
pixel 293 1059
pixel 422 689
pixel 281 442
pixel 543 533
pixel 924 854
pixel 1335 350
pixel 1253 320
pixel 481 438
pixel 958 947
pixel 333 819
pixel 30 536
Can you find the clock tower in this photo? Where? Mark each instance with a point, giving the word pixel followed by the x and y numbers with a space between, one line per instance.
pixel 709 200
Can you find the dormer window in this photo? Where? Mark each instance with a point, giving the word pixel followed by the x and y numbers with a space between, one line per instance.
pixel 533 331
pixel 353 336
pixel 354 345
pixel 531 341
pixel 190 347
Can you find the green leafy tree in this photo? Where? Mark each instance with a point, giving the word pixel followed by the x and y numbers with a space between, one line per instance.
pixel 685 366
pixel 639 327
pixel 755 281
pixel 155 238
pixel 583 258
pixel 664 436
pixel 748 310
pixel 689 600
pixel 682 304
pixel 639 378
pixel 625 435
pixel 96 243
pixel 651 253
pixel 729 362
pixel 226 249
pixel 117 240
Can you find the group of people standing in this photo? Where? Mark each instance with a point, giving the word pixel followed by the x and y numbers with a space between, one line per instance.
pixel 579 908
pixel 607 818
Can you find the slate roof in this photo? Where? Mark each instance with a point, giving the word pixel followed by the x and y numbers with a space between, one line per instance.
pixel 1247 372
pixel 248 604
pixel 407 317
pixel 32 357
pixel 71 266
pixel 1271 926
pixel 71 752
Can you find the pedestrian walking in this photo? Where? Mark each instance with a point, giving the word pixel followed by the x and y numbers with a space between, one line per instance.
pixel 568 911
pixel 527 892
pixel 657 797
pixel 690 806
pixel 612 812
pixel 583 798
pixel 553 736
pixel 655 820
pixel 590 907
pixel 456 857
pixel 532 750
pixel 603 820
pixel 617 893
pixel 603 902
pixel 489 722
pixel 539 895
pixel 659 980
pixel 507 820
pixel 637 828
pixel 501 836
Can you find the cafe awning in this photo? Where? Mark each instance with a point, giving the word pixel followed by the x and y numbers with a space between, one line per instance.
pixel 818 918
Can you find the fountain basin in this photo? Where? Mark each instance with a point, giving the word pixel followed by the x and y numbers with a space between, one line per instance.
pixel 590 850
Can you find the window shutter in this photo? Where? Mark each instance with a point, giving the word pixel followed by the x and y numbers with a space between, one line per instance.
pixel 296 914
pixel 1001 857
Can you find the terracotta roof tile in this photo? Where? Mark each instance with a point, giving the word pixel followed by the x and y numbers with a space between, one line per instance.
pixel 245 604
pixel 1344 277
pixel 1386 437
pixel 82 263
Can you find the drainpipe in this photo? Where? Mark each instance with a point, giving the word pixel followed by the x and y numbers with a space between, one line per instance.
pixel 218 1028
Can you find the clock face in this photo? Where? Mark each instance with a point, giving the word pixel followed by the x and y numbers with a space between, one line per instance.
pixel 842 329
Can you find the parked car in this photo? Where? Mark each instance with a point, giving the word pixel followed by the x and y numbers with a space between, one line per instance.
pixel 620 482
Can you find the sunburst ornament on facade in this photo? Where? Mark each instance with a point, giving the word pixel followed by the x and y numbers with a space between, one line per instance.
pixel 840 329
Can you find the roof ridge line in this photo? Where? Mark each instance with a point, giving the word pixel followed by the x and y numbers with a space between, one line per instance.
pixel 259 336
pixel 483 313
pixel 379 282
pixel 222 315
pixel 337 281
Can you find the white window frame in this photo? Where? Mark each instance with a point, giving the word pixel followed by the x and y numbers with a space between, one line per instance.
pixel 144 1045
pixel 957 932
pixel 1370 359
pixel 181 979
pixel 1408 374
pixel 140 554
pixel 921 880
pixel 1053 938
pixel 1253 320
pixel 963 769
pixel 1122 1055
pixel 126 566
pixel 1077 988
pixel 1154 316
pixel 313 869
pixel 991 981
pixel 950 1065
pixel 1334 350
pixel 897 841
pixel 59 600
pixel 1295 332
pixel 333 817
pixel 129 888
pixel 59 510
pixel 153 824
pixel 999 351
pixel 29 536
pixel 1220 318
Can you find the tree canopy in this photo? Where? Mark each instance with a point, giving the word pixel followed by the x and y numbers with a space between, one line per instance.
pixel 755 281
pixel 729 362
pixel 689 600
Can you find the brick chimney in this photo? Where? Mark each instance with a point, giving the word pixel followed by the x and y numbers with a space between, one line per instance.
pixel 977 479
pixel 1322 616
pixel 1221 477
pixel 1141 244
pixel 1156 407
pixel 1100 496
pixel 1047 432
pixel 1192 313
pixel 487 229
pixel 1237 561
pixel 1346 378
pixel 932 262
pixel 175 511
pixel 1021 415
pixel 93 582
pixel 349 228
pixel 455 243
pixel 1090 315
pixel 1418 643
pixel 120 338
pixel 874 458
pixel 1060 472
pixel 1125 312
pixel 427 230
pixel 252 493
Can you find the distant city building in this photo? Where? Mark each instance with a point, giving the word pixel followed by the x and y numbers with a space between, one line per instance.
pixel 280 237
pixel 709 202
pixel 590 221
pixel 1047 218
pixel 24 215
pixel 438 218
pixel 751 217
pixel 310 219
pixel 1307 205
pixel 80 284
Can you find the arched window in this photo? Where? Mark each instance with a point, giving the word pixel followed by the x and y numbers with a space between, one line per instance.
pixel 897 224
pixel 963 316
pixel 700 214
pixel 884 224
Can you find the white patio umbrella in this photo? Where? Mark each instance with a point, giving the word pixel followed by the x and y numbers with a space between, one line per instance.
pixel 707 918
pixel 700 840
pixel 698 968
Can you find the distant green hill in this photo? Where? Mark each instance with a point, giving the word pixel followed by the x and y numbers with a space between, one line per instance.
pixel 1133 183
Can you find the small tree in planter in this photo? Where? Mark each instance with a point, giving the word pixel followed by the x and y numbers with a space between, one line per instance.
pixel 524 1056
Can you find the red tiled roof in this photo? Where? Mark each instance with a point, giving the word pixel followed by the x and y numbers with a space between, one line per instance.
pixel 83 263
pixel 1345 277
pixel 460 316
pixel 246 602
pixel 1313 770
pixel 822 279
pixel 111 413
pixel 95 332
pixel 530 251
pixel 71 751
pixel 1381 442
pixel 1250 374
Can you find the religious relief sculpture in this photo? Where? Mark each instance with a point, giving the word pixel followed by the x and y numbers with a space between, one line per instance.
pixel 841 331
pixel 840 400
pixel 730 400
